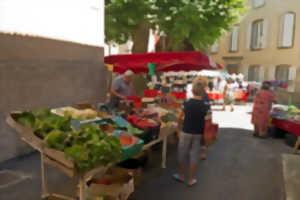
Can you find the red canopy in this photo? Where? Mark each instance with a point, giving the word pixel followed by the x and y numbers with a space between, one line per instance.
pixel 164 61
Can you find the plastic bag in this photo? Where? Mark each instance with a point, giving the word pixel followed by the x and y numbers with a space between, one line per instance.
pixel 210 133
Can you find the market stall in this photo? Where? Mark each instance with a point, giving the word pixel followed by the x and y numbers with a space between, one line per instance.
pixel 287 118
pixel 167 62
pixel 83 142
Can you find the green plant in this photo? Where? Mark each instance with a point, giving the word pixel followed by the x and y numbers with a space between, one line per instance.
pixel 194 23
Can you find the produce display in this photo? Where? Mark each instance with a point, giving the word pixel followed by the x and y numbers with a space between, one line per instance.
pixel 169 117
pixel 290 112
pixel 87 147
pixel 84 114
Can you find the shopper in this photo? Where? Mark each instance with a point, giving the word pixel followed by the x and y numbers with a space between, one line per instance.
pixel 228 95
pixel 195 111
pixel 261 110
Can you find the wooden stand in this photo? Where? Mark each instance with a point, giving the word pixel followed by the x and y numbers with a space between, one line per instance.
pixel 57 160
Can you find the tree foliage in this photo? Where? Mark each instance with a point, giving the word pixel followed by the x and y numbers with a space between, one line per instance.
pixel 198 22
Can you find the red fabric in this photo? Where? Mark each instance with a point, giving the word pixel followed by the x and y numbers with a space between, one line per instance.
pixel 262 107
pixel 151 93
pixel 164 61
pixel 179 95
pixel 289 126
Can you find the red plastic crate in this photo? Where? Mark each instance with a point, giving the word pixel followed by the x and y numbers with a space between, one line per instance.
pixel 151 93
pixel 179 95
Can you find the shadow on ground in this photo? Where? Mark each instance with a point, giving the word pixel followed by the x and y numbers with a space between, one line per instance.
pixel 239 167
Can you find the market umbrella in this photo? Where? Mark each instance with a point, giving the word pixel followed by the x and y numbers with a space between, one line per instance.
pixel 163 61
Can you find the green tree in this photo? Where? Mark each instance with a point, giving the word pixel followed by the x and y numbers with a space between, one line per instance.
pixel 188 24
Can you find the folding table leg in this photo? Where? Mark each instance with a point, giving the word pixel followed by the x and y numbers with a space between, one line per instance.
pixel 45 193
pixel 297 145
pixel 81 187
pixel 164 152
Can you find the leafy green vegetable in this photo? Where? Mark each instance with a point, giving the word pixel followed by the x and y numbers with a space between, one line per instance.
pixel 170 117
pixel 80 155
pixel 87 147
pixel 133 130
pixel 26 118
pixel 56 139
pixel 95 145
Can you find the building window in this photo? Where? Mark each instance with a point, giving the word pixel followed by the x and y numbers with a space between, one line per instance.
pixel 254 73
pixel 258 3
pixel 286 75
pixel 287 30
pixel 282 73
pixel 234 38
pixel 257 33
pixel 214 48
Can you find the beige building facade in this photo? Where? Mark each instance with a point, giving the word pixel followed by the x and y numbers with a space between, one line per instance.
pixel 265 45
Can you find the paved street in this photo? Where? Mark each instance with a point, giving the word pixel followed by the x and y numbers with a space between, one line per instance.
pixel 239 167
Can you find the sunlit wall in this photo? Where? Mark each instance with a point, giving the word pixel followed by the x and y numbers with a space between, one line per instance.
pixel 80 21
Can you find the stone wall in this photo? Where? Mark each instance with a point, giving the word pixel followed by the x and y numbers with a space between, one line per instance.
pixel 39 72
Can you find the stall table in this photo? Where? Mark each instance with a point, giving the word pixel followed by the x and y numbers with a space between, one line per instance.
pixel 291 127
pixel 57 159
pixel 165 132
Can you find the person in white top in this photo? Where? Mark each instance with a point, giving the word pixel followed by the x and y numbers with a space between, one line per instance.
pixel 229 95
pixel 219 85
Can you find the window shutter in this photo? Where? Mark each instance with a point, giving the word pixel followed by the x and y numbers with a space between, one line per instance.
pixel 292 73
pixel 271 73
pixel 245 72
pixel 288 30
pixel 258 3
pixel 265 33
pixel 261 74
pixel 235 36
pixel 281 31
pixel 248 39
pixel 292 79
pixel 255 36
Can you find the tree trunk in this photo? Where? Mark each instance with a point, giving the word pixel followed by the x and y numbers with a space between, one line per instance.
pixel 140 40
pixel 187 46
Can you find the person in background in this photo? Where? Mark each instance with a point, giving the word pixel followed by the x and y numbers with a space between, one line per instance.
pixel 261 110
pixel 195 111
pixel 240 84
pixel 219 84
pixel 228 95
pixel 210 85
pixel 121 87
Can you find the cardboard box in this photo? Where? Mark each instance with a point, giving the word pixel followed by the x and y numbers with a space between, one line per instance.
pixel 120 188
